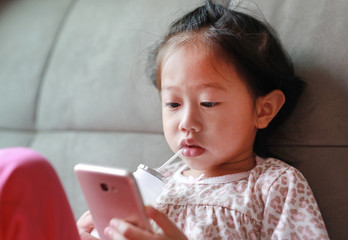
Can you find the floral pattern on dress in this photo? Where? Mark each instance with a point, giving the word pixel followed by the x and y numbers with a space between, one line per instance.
pixel 272 201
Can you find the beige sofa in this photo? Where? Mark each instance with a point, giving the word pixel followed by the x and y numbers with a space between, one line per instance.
pixel 73 87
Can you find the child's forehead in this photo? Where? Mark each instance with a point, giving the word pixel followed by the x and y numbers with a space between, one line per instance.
pixel 197 68
pixel 198 86
pixel 199 58
pixel 195 52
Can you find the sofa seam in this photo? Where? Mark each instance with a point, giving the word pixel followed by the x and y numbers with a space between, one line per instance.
pixel 48 61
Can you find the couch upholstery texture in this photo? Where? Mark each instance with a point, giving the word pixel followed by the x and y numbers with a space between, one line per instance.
pixel 73 87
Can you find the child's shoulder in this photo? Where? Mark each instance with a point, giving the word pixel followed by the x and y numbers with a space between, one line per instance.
pixel 273 167
pixel 271 171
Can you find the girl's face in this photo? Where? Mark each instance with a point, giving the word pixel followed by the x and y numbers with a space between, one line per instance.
pixel 208 111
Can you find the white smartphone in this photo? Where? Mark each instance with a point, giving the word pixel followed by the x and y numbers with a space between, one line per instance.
pixel 111 193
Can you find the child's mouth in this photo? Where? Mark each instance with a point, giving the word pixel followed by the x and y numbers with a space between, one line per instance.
pixel 192 151
pixel 193 146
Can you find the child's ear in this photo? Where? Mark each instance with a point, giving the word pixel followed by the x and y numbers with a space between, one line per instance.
pixel 268 106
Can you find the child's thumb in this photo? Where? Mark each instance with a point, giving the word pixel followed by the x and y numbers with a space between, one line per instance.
pixel 162 220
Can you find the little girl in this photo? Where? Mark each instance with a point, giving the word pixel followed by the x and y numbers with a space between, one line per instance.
pixel 226 84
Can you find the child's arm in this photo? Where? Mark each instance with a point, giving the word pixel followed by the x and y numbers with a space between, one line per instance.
pixel 123 230
pixel 291 210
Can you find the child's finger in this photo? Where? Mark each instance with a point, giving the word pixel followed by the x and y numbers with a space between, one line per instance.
pixel 118 228
pixel 85 225
pixel 112 233
pixel 87 236
pixel 162 220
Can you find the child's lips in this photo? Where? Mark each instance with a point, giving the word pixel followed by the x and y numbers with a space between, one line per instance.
pixel 191 149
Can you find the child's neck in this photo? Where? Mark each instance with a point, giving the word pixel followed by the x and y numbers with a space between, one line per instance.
pixel 244 165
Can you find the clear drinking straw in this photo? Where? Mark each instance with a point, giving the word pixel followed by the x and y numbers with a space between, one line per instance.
pixel 171 159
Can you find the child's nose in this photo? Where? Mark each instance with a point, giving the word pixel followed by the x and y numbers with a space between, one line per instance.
pixel 190 120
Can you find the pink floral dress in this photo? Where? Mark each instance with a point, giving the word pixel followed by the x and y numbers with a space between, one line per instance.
pixel 272 201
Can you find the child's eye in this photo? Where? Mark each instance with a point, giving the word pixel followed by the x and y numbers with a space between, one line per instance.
pixel 209 104
pixel 172 105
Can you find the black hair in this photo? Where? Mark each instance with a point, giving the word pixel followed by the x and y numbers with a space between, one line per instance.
pixel 250 44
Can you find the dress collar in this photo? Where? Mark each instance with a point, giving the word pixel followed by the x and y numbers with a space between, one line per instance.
pixel 178 176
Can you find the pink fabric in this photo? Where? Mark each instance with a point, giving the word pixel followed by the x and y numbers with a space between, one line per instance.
pixel 33 204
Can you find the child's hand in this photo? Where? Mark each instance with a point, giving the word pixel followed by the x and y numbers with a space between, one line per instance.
pixel 123 230
pixel 85 226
